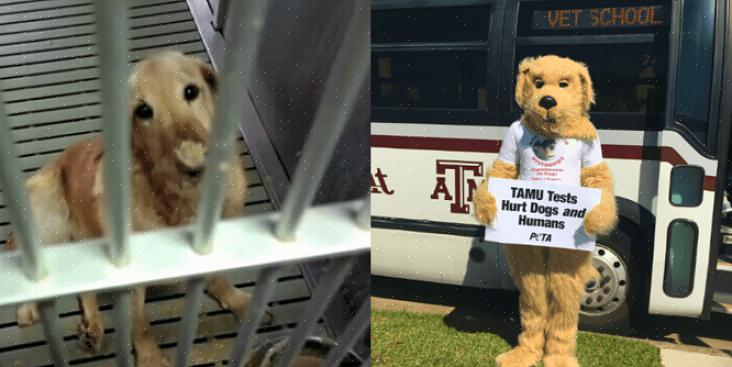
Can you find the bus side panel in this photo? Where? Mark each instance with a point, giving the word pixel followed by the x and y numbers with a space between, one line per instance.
pixel 438 258
pixel 426 184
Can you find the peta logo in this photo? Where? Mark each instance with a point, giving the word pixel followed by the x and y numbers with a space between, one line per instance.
pixel 465 176
pixel 378 183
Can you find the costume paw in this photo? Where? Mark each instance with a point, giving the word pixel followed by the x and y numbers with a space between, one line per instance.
pixel 485 204
pixel 91 335
pixel 28 314
pixel 600 220
pixel 518 357
pixel 560 361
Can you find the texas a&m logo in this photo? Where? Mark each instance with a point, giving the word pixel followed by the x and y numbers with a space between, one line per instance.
pixel 460 191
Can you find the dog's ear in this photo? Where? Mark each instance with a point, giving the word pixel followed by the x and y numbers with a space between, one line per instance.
pixel 209 75
pixel 523 93
pixel 588 93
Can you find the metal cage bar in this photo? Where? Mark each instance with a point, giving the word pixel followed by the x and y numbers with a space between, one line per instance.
pixel 262 294
pixel 353 331
pixel 165 255
pixel 189 325
pixel 238 69
pixel 315 308
pixel 123 331
pixel 24 225
pixel 350 69
pixel 363 217
pixel 113 47
pixel 221 15
pixel 52 330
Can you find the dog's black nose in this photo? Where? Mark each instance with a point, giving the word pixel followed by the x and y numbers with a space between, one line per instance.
pixel 547 102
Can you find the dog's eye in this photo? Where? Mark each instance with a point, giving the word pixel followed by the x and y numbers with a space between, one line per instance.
pixel 191 92
pixel 563 84
pixel 144 111
pixel 538 83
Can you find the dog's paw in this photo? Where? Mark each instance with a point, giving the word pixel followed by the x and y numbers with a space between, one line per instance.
pixel 91 335
pixel 151 356
pixel 237 301
pixel 485 204
pixel 157 360
pixel 28 314
pixel 599 220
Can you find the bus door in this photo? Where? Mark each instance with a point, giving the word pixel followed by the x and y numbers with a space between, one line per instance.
pixel 689 193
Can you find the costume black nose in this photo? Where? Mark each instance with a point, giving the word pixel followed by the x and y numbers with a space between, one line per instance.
pixel 547 102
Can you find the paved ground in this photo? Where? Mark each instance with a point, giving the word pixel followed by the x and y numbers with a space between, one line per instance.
pixel 683 342
pixel 680 358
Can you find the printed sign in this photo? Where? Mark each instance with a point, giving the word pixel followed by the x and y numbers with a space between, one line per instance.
pixel 617 17
pixel 542 214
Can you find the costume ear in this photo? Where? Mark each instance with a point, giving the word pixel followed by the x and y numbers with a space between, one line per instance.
pixel 588 93
pixel 522 81
pixel 209 75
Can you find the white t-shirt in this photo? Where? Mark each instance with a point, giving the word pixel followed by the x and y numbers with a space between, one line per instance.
pixel 548 159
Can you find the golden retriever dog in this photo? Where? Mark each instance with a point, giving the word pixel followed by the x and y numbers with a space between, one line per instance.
pixel 171 111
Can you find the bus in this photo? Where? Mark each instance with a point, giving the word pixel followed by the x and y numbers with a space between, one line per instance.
pixel 442 87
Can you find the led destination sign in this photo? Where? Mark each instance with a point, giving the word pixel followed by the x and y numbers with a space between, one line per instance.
pixel 618 17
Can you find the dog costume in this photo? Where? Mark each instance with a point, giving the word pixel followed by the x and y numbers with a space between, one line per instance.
pixel 554 141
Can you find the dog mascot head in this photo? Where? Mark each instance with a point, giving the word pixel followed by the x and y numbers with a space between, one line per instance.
pixel 556 94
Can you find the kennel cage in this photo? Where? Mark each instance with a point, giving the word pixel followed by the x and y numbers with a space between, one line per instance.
pixel 53 63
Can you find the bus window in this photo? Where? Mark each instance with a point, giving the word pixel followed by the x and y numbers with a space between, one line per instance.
pixel 429 25
pixel 430 63
pixel 625 48
pixel 696 52
pixel 430 80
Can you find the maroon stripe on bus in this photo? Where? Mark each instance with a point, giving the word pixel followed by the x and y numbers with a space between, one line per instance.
pixel 664 154
pixel 428 143
pixel 615 151
pixel 710 183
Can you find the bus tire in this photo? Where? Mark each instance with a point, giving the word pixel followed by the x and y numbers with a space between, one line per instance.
pixel 607 306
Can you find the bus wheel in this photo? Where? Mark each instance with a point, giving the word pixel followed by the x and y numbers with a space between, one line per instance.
pixel 605 306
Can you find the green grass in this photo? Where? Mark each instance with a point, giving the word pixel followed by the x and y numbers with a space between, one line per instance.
pixel 416 339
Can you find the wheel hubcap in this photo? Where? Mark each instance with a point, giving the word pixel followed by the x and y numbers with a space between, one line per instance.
pixel 607 294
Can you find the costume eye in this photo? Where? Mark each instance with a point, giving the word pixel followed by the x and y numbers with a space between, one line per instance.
pixel 190 92
pixel 144 111
pixel 563 84
pixel 538 83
